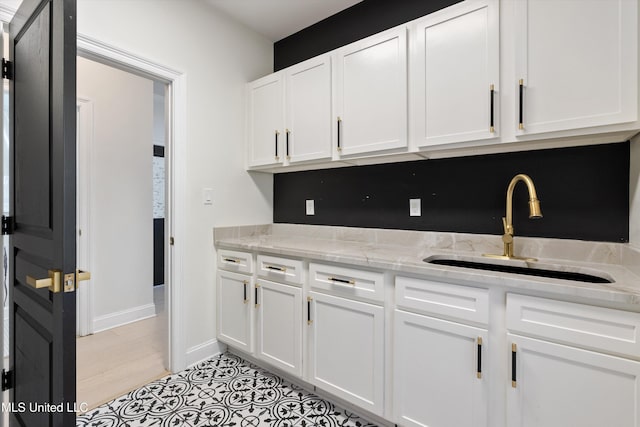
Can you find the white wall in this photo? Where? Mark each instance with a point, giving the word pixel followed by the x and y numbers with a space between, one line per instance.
pixel 158 113
pixel 634 193
pixel 218 57
pixel 120 196
pixel 159 170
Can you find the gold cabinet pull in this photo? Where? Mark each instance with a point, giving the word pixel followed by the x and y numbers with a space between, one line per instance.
pixel 514 350
pixel 479 360
pixel 491 118
pixel 256 295
pixel 339 148
pixel 521 106
pixel 274 268
pixel 287 132
pixel 245 283
pixel 346 282
pixel 309 321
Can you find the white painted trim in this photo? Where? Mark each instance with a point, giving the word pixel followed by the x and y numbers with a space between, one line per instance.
pixel 4 319
pixel 5 336
pixel 84 144
pixel 6 13
pixel 176 178
pixel 204 351
pixel 124 317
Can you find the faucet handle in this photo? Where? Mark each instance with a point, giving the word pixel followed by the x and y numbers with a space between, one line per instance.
pixel 508 229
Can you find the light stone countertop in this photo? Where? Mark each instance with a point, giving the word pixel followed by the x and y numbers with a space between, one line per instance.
pixel 404 251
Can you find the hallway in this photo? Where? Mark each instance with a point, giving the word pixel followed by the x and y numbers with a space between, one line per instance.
pixel 114 362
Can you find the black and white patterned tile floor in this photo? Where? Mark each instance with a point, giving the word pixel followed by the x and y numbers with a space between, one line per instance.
pixel 222 391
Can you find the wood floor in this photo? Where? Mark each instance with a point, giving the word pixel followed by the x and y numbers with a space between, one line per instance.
pixel 114 362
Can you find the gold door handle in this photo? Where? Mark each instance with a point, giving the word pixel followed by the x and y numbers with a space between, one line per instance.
pixel 53 282
pixel 82 275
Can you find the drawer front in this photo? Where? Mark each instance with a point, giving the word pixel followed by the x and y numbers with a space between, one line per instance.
pixel 443 299
pixel 240 262
pixel 347 281
pixel 280 269
pixel 597 328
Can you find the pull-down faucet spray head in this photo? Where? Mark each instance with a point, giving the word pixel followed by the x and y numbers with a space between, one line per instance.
pixel 507 221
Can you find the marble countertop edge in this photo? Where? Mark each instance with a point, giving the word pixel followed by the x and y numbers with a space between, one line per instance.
pixel 324 245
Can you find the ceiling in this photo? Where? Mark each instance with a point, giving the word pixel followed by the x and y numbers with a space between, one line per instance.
pixel 277 19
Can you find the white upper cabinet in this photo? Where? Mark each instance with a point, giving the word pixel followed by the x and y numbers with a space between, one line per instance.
pixel 265 121
pixel 478 73
pixel 455 74
pixel 308 133
pixel 576 64
pixel 371 94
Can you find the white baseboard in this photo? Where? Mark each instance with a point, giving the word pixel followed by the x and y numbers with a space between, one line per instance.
pixel 204 351
pixel 120 318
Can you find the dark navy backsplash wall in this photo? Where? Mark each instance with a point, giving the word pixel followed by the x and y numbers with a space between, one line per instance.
pixel 584 194
pixel 584 191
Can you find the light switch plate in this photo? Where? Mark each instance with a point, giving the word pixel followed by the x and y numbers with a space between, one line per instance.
pixel 415 207
pixel 207 196
pixel 311 209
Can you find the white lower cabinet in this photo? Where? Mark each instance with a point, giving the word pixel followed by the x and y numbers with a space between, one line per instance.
pixel 346 349
pixel 279 325
pixel 559 364
pixel 558 386
pixel 234 310
pixel 554 382
pixel 439 371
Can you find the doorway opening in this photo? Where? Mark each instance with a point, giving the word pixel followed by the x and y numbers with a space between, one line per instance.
pixel 174 83
pixel 121 321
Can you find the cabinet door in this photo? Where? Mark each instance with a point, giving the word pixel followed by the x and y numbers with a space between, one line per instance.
pixel 279 325
pixel 439 376
pixel 371 94
pixel 234 310
pixel 560 386
pixel 578 63
pixel 346 343
pixel 455 67
pixel 308 110
pixel 265 117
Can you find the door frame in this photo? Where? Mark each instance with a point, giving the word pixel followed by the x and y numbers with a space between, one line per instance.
pixel 176 141
pixel 84 144
pixel 175 99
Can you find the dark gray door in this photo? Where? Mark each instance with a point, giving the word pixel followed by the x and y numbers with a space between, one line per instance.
pixel 43 246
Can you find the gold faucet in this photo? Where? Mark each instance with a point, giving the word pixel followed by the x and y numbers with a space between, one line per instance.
pixel 507 222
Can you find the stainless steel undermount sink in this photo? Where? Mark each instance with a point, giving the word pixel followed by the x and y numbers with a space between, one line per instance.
pixel 518 267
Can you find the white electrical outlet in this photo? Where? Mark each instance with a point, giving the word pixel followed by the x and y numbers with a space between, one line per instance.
pixel 311 209
pixel 415 207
